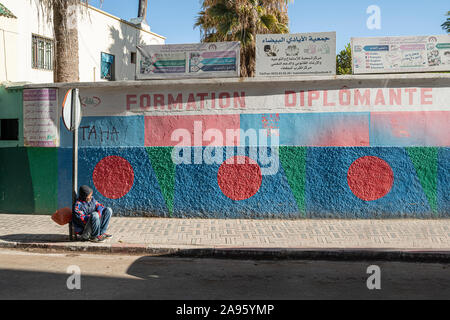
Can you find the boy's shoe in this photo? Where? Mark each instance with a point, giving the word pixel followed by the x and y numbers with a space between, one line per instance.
pixel 97 239
pixel 107 235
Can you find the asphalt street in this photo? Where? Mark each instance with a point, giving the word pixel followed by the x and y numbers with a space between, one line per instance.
pixel 31 275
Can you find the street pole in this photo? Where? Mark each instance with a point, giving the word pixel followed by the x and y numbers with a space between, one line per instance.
pixel 74 129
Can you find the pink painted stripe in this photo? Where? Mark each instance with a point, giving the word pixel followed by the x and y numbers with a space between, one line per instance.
pixel 420 128
pixel 191 130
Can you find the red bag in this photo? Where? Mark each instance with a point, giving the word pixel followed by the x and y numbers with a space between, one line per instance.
pixel 62 216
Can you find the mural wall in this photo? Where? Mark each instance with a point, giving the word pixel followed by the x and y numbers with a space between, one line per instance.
pixel 345 148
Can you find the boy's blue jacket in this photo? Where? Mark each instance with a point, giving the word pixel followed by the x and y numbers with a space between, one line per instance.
pixel 81 212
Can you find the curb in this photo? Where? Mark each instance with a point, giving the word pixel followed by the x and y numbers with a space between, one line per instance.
pixel 337 254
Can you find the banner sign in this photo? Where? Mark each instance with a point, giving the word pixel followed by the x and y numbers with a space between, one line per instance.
pixel 40 118
pixel 278 98
pixel 199 60
pixel 401 54
pixel 296 54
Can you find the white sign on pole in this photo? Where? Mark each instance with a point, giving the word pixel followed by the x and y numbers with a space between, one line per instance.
pixel 296 54
pixel 40 117
pixel 401 54
pixel 71 110
pixel 198 60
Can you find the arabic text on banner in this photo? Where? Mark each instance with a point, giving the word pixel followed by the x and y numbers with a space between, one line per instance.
pixel 40 117
pixel 296 54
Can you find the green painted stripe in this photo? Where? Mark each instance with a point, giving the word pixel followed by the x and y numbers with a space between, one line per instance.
pixel 16 187
pixel 293 160
pixel 43 163
pixel 425 162
pixel 161 160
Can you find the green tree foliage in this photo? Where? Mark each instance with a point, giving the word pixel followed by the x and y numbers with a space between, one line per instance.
pixel 344 61
pixel 241 20
pixel 446 24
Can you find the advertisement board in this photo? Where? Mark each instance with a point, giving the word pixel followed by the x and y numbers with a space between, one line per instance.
pixel 401 54
pixel 199 60
pixel 296 54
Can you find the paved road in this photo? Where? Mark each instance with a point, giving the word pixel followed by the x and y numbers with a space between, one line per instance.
pixel 26 275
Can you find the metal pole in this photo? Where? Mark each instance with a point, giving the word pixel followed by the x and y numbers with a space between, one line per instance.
pixel 74 129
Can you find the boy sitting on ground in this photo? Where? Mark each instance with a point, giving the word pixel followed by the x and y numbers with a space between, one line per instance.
pixel 90 218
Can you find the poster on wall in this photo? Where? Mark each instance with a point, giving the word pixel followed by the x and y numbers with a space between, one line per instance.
pixel 296 54
pixel 40 117
pixel 401 54
pixel 198 60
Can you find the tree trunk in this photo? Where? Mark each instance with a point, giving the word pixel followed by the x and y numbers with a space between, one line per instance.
pixel 66 41
pixel 142 11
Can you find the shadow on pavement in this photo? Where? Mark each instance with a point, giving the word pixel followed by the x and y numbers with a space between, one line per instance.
pixel 157 278
pixel 35 238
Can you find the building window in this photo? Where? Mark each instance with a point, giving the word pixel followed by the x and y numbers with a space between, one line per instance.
pixel 133 57
pixel 42 53
pixel 9 129
pixel 107 66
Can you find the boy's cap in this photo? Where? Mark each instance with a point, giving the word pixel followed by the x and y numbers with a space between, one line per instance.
pixel 84 192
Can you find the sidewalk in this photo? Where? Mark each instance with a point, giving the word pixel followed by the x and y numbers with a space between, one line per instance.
pixel 399 239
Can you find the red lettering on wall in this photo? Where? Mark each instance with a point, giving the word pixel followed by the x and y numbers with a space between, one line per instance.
pixel 227 103
pixel 239 99
pixel 158 101
pixel 347 94
pixel 191 102
pixel 173 103
pixel 411 95
pixel 290 98
pixel 380 98
pixel 302 98
pixel 202 99
pixel 424 97
pixel 312 95
pixel 325 100
pixel 363 100
pixel 145 101
pixel 213 100
pixel 131 99
pixel 395 97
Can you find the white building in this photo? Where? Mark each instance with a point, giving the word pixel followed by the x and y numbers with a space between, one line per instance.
pixel 105 41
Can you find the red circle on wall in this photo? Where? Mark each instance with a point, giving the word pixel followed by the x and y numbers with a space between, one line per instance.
pixel 370 178
pixel 239 177
pixel 113 177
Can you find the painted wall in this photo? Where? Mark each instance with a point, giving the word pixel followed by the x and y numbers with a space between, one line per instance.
pixel 28 176
pixel 351 147
pixel 11 108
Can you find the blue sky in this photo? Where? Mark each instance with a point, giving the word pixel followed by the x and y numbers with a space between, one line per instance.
pixel 174 19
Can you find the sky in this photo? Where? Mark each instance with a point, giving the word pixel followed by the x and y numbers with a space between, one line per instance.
pixel 174 19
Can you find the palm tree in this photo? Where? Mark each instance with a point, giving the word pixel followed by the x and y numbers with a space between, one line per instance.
pixel 446 24
pixel 242 20
pixel 142 10
pixel 63 13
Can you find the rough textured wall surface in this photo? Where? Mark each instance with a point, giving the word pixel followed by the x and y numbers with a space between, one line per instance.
pixel 338 148
pixel 312 182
